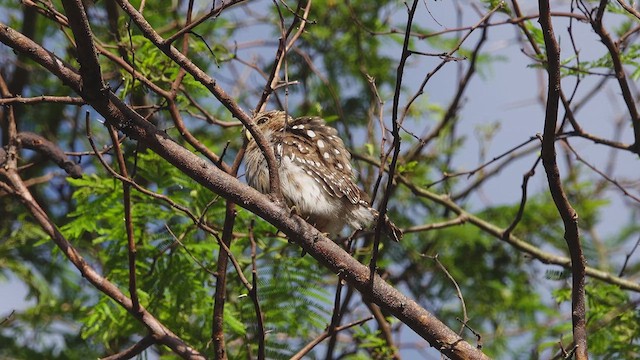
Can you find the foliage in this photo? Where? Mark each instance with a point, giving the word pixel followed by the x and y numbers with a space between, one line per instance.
pixel 343 66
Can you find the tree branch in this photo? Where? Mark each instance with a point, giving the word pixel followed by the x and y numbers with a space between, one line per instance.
pixel 50 150
pixel 549 161
pixel 614 52
pixel 132 351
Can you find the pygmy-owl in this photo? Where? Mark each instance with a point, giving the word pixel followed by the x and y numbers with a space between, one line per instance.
pixel 316 178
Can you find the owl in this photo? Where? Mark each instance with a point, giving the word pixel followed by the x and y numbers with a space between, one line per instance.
pixel 316 178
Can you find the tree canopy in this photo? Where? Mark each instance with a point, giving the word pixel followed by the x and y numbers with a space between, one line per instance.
pixel 502 137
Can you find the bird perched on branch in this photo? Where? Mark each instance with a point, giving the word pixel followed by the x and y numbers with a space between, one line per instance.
pixel 316 178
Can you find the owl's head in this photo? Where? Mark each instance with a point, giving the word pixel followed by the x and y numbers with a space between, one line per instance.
pixel 268 121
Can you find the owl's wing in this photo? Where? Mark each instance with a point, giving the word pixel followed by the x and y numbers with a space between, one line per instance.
pixel 318 150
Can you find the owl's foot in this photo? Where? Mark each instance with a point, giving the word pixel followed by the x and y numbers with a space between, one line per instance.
pixel 392 231
pixel 278 200
pixel 294 211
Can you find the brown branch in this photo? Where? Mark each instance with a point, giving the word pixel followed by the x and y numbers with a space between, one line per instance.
pixel 628 256
pixel 384 327
pixel 7 319
pixel 305 350
pixel 174 111
pixel 569 112
pixel 490 173
pixel 601 173
pixel 519 19
pixel 596 140
pixel 253 294
pixel 614 52
pixel 22 74
pixel 219 296
pixel 465 317
pixel 128 222
pixel 50 150
pixel 68 100
pixel 459 220
pixel 336 317
pixel 29 182
pixel 92 83
pixel 134 350
pixel 454 106
pixel 470 173
pixel 214 12
pixel 395 147
pixel 281 53
pixel 549 161
pixel 523 199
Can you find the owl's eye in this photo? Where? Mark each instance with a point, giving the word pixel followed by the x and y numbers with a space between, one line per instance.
pixel 262 120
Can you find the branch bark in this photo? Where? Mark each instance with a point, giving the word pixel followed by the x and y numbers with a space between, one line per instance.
pixel 549 161
pixel 29 140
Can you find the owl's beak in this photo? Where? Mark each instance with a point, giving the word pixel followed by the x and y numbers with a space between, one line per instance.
pixel 247 134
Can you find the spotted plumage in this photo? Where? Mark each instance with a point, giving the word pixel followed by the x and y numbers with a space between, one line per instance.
pixel 315 173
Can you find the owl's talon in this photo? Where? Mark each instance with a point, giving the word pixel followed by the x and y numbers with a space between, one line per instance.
pixel 293 210
pixel 276 200
pixel 317 238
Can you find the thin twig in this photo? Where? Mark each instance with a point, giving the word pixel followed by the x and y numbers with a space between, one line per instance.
pixel 336 317
pixel 472 172
pixel 128 222
pixel 67 100
pixel 305 350
pixel 601 173
pixel 523 199
pixel 459 220
pixel 465 317
pixel 384 328
pixel 253 294
pixel 283 47
pixel 465 324
pixel 395 133
pixel 134 350
pixel 177 240
pixel 614 53
pixel 213 13
pixel 628 256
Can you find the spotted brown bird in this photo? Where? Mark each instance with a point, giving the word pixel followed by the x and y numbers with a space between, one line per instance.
pixel 316 177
